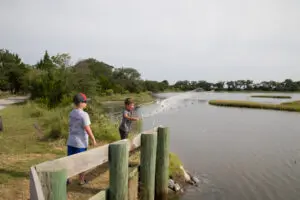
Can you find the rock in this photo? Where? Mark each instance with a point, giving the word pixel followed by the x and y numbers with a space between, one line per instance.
pixel 186 175
pixel 177 187
pixel 193 180
pixel 174 186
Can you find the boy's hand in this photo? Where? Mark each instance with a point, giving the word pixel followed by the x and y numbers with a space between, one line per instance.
pixel 94 143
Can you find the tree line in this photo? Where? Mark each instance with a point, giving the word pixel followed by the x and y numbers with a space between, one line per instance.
pixel 54 78
pixel 287 85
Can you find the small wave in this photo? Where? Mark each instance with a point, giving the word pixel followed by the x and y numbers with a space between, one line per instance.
pixel 174 103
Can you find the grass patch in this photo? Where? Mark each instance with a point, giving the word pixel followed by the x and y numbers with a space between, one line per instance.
pixel 287 106
pixel 4 95
pixel 138 98
pixel 291 103
pixel 174 168
pixel 33 134
pixel 272 96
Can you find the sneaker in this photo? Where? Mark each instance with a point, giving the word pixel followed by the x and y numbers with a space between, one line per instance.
pixel 83 182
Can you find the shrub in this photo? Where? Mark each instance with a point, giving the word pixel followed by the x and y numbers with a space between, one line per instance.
pixel 55 131
pixel 109 92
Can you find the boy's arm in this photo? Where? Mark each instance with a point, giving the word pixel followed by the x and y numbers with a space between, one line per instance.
pixel 90 133
pixel 87 128
pixel 130 118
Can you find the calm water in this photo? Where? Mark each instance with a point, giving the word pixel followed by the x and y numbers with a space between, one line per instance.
pixel 237 153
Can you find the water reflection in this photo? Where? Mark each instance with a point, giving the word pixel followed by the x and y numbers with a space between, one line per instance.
pixel 238 153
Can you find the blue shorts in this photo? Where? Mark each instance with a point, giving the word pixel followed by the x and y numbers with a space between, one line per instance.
pixel 74 150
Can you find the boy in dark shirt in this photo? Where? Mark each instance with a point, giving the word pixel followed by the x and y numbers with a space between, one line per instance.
pixel 127 118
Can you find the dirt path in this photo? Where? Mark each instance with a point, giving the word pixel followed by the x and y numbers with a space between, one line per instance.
pixel 12 100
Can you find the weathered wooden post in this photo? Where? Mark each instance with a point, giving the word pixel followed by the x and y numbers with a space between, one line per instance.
pixel 54 184
pixel 162 163
pixel 148 159
pixel 118 170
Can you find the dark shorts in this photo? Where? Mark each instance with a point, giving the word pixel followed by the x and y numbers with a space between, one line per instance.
pixel 74 150
pixel 123 134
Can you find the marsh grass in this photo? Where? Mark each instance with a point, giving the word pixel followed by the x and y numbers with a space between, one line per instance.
pixel 293 106
pixel 272 96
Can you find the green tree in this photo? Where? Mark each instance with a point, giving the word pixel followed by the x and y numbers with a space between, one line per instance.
pixel 127 74
pixel 45 63
pixel 220 85
pixel 61 60
pixel 12 70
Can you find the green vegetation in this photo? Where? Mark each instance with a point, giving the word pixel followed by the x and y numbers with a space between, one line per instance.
pixel 291 103
pixel 287 85
pixel 174 168
pixel 287 106
pixel 33 133
pixel 272 96
pixel 53 78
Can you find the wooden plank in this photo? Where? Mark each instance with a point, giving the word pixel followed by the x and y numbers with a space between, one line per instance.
pixel 77 163
pixel 135 142
pixel 36 192
pixel 118 170
pixel 87 160
pixel 54 184
pixel 148 161
pixel 103 195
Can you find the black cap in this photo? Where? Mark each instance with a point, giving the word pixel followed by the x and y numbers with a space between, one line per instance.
pixel 80 98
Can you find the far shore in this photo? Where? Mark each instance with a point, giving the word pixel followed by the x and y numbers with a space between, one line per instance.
pixel 293 106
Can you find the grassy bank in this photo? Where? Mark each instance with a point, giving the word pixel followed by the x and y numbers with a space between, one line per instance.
pixel 4 95
pixel 33 134
pixel 272 96
pixel 287 106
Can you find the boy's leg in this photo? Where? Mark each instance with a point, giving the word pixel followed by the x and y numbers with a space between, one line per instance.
pixel 70 151
pixel 74 150
pixel 123 134
pixel 82 175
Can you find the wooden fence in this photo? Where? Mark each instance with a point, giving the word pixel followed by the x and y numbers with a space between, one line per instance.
pixel 48 179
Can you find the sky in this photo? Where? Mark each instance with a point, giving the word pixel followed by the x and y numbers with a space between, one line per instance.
pixel 171 39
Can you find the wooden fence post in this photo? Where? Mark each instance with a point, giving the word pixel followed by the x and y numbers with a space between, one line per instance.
pixel 148 159
pixel 118 170
pixel 162 163
pixel 54 184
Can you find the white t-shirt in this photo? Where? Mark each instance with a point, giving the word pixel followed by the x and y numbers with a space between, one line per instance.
pixel 78 137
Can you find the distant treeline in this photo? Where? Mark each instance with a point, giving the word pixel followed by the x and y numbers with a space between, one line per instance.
pixel 53 78
pixel 287 85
